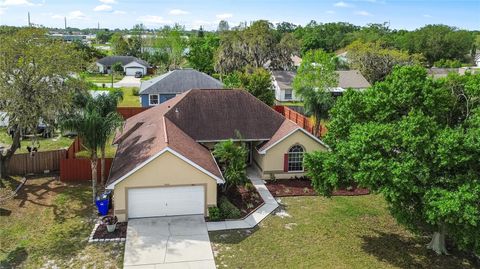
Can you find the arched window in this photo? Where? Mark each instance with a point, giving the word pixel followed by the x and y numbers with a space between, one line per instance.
pixel 295 158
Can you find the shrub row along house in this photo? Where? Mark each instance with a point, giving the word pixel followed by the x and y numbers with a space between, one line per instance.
pixel 164 165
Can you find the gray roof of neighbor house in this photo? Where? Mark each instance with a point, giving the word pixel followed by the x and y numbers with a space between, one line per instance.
pixel 346 79
pixel 110 60
pixel 192 117
pixel 179 81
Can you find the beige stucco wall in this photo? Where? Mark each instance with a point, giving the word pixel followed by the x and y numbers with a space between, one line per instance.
pixel 272 162
pixel 166 170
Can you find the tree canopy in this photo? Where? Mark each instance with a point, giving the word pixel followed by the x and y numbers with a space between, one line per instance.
pixel 35 82
pixel 256 81
pixel 416 141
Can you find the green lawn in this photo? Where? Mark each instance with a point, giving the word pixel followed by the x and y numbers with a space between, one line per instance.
pixel 129 99
pixel 57 142
pixel 109 151
pixel 47 226
pixel 148 77
pixel 342 232
pixel 102 78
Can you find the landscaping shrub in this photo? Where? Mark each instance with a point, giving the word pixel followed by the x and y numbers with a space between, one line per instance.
pixel 135 91
pixel 227 209
pixel 249 186
pixel 214 214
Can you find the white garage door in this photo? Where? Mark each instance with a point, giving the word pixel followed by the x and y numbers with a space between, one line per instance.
pixel 130 71
pixel 166 201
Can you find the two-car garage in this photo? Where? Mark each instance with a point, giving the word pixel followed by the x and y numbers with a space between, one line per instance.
pixel 166 185
pixel 166 201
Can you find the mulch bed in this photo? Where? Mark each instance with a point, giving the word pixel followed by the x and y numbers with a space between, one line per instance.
pixel 102 233
pixel 245 199
pixel 303 187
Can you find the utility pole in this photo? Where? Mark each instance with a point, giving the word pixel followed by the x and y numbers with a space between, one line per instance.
pixel 29 24
pixel 65 20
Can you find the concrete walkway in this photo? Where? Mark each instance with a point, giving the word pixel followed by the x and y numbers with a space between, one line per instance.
pixel 168 242
pixel 254 218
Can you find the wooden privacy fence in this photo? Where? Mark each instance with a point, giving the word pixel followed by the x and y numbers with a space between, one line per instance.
pixel 24 163
pixel 299 119
pixel 128 112
pixel 80 169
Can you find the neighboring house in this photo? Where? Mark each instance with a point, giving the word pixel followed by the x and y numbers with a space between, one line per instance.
pixel 3 119
pixel 164 163
pixel 282 81
pixel 130 65
pixel 477 59
pixel 168 85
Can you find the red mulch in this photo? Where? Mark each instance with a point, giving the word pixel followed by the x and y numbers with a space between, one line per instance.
pixel 245 199
pixel 303 187
pixel 102 233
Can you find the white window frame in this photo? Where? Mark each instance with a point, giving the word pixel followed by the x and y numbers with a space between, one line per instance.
pixel 291 95
pixel 292 153
pixel 150 99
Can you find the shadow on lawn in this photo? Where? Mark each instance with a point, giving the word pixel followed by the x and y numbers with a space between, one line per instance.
pixel 411 252
pixel 14 258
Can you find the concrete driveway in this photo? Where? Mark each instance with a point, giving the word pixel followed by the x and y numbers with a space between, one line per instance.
pixel 168 242
pixel 128 81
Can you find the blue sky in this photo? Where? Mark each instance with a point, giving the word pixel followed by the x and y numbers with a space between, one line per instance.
pixel 410 14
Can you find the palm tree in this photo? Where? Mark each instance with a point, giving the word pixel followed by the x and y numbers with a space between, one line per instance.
pixel 107 104
pixel 95 120
pixel 88 124
pixel 317 103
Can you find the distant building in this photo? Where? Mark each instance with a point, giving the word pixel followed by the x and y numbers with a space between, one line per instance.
pixel 162 88
pixel 130 65
pixel 282 81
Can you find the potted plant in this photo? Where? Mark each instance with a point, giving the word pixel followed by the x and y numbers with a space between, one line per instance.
pixel 110 222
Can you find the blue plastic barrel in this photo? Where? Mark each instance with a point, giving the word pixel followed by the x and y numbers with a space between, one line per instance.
pixel 102 206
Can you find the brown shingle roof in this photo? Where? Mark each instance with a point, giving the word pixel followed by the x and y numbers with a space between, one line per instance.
pixel 194 116
pixel 213 115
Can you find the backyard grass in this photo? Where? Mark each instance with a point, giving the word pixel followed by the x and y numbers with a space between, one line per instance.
pixel 110 151
pixel 102 78
pixel 47 226
pixel 148 77
pixel 316 232
pixel 57 142
pixel 129 99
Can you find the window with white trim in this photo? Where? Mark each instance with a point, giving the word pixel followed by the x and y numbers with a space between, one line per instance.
pixel 153 99
pixel 295 158
pixel 288 94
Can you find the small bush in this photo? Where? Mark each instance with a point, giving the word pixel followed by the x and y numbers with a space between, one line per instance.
pixel 214 213
pixel 227 209
pixel 135 91
pixel 249 186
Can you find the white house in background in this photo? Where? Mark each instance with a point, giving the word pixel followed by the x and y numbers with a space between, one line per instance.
pixel 130 65
pixel 282 82
pixel 3 119
pixel 477 59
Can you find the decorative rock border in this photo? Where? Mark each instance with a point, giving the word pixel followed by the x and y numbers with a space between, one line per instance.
pixel 103 240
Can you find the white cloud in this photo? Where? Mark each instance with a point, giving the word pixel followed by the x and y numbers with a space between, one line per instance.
pixel 363 13
pixel 342 4
pixel 153 20
pixel 74 15
pixel 7 3
pixel 178 12
pixel 224 16
pixel 119 12
pixel 330 12
pixel 427 16
pixel 108 1
pixel 103 8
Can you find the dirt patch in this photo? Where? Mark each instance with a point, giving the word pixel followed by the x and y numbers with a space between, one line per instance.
pixel 303 187
pixel 102 233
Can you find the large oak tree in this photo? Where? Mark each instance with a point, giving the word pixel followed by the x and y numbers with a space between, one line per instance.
pixel 416 141
pixel 35 82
